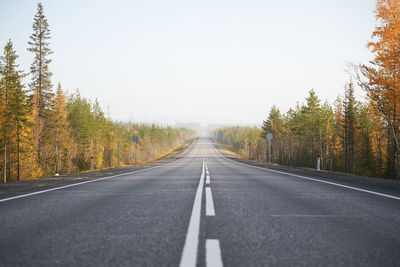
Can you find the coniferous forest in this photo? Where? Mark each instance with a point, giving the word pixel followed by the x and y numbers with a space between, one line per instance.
pixel 43 131
pixel 360 137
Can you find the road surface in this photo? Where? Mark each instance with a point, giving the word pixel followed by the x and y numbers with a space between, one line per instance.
pixel 201 210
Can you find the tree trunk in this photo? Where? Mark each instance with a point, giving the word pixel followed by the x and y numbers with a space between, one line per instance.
pixel 312 150
pixel 346 145
pixel 5 163
pixel 394 165
pixel 394 173
pixel 379 158
pixel 299 150
pixel 18 160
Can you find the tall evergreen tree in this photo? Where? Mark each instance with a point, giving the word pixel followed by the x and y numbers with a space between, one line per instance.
pixel 41 76
pixel 81 119
pixel 364 155
pixel 349 126
pixel 13 101
pixel 312 112
pixel 273 125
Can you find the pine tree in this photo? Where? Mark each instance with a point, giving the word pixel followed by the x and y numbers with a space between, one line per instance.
pixel 41 76
pixel 273 125
pixel 13 100
pixel 365 157
pixel 349 126
pixel 311 116
pixel 297 122
pixel 81 119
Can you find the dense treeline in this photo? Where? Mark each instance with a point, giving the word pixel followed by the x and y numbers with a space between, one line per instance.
pixel 342 134
pixel 348 136
pixel 43 132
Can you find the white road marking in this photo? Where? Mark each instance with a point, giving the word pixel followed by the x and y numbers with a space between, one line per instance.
pixel 95 180
pixel 311 179
pixel 213 253
pixel 207 172
pixel 189 253
pixel 208 179
pixel 210 211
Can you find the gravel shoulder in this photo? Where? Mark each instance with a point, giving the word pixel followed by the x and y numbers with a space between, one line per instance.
pixel 24 187
pixel 385 186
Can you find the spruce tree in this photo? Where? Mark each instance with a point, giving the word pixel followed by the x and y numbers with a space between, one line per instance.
pixel 273 125
pixel 349 126
pixel 312 120
pixel 41 86
pixel 14 110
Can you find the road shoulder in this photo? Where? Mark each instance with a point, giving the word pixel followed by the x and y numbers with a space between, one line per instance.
pixel 385 186
pixel 25 187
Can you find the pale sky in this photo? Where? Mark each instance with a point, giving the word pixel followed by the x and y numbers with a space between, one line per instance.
pixel 208 61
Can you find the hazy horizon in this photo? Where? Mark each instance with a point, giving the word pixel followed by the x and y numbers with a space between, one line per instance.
pixel 224 62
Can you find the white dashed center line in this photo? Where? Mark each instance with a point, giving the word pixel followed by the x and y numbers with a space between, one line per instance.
pixel 213 253
pixel 190 249
pixel 210 211
pixel 189 254
pixel 208 179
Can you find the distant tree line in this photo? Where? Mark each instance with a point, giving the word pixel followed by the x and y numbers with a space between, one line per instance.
pixel 43 131
pixel 348 136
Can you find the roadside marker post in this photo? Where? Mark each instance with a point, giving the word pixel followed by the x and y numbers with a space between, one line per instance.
pixel 91 164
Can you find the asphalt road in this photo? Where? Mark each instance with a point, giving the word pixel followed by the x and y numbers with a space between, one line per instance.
pixel 203 209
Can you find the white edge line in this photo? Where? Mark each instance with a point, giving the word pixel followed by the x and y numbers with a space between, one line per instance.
pixel 94 180
pixel 213 253
pixel 189 253
pixel 311 179
pixel 210 211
